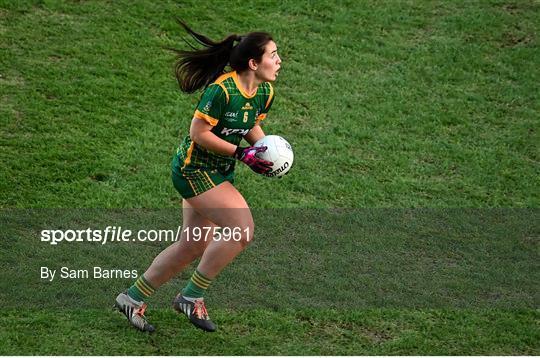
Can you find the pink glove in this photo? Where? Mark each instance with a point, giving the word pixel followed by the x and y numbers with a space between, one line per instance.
pixel 247 155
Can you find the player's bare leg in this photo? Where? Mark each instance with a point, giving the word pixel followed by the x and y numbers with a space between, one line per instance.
pixel 184 251
pixel 167 264
pixel 226 207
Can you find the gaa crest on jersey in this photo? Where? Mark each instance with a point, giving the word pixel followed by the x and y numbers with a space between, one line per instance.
pixel 207 106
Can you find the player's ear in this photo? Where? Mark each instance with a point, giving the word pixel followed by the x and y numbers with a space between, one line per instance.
pixel 253 65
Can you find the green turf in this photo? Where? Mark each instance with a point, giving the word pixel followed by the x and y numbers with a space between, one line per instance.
pixel 386 104
pixel 349 259
pixel 262 332
pixel 393 104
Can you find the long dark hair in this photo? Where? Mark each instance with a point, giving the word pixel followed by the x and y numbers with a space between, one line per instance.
pixel 198 68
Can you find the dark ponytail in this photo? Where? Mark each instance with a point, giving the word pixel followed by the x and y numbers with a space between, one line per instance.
pixel 198 68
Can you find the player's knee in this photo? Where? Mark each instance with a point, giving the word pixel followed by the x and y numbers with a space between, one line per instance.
pixel 244 232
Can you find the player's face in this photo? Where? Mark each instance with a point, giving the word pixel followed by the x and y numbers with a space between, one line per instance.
pixel 268 68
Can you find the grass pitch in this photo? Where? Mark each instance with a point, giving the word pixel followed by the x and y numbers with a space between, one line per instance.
pixel 396 104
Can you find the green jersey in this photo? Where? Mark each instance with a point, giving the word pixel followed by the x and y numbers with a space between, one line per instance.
pixel 232 113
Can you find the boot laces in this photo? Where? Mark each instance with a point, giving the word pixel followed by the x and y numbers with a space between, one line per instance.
pixel 140 311
pixel 138 318
pixel 200 310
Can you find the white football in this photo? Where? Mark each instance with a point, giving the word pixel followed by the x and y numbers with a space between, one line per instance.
pixel 278 151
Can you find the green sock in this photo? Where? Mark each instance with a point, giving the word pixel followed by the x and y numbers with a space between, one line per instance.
pixel 196 286
pixel 140 290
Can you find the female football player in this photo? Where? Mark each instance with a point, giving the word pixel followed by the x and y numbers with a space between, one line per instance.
pixel 217 221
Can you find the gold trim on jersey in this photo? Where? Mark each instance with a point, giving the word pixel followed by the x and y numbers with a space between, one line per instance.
pixel 240 88
pixel 269 97
pixel 224 90
pixel 260 118
pixel 223 77
pixel 188 156
pixel 219 82
pixel 211 120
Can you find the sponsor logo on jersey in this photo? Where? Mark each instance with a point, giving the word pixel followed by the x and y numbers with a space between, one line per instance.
pixel 231 116
pixel 228 131
pixel 247 106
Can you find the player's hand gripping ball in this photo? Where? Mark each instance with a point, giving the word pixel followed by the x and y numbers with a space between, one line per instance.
pixel 279 152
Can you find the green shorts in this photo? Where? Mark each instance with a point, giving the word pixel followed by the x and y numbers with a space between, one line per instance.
pixel 190 183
